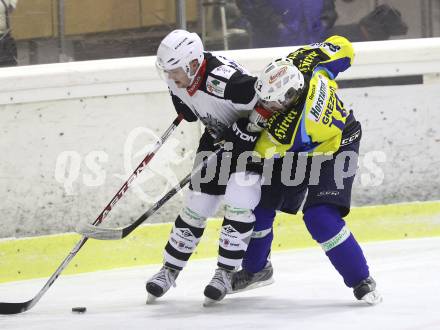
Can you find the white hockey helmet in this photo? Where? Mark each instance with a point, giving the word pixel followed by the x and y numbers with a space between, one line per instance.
pixel 280 84
pixel 178 49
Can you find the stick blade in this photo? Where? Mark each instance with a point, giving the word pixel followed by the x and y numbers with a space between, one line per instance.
pixel 100 233
pixel 14 308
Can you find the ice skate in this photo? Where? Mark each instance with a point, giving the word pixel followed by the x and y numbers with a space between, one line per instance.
pixel 244 280
pixel 218 287
pixel 366 291
pixel 160 283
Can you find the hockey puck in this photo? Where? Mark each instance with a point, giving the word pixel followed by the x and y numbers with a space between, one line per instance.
pixel 79 309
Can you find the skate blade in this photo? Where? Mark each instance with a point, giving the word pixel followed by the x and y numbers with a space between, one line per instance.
pixel 151 299
pixel 209 302
pixel 255 285
pixel 372 298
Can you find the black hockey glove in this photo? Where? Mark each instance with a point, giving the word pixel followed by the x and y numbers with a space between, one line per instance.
pixel 242 140
pixel 352 131
pixel 182 108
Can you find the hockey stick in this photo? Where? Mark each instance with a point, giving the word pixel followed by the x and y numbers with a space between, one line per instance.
pixel 119 233
pixel 15 308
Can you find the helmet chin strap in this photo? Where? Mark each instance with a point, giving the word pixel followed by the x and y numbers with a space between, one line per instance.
pixel 197 78
pixel 193 76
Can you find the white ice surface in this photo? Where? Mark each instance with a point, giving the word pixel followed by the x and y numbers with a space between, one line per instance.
pixel 307 294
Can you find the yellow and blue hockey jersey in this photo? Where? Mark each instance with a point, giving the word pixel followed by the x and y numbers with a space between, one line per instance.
pixel 316 124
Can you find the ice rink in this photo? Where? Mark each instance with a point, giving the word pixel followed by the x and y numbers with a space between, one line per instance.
pixel 307 294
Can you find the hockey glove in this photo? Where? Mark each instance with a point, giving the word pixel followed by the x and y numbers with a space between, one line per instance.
pixel 242 139
pixel 182 108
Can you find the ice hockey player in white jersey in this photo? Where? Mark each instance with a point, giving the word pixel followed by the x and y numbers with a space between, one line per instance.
pixel 217 91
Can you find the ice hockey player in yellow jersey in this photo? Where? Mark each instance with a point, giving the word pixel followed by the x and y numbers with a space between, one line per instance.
pixel 306 122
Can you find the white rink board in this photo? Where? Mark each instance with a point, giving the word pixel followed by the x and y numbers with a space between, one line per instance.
pixel 307 294
pixel 108 138
pixel 126 76
pixel 402 123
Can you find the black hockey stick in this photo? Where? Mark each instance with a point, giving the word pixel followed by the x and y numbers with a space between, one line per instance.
pixel 15 308
pixel 119 233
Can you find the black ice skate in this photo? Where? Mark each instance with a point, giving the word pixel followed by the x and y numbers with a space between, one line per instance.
pixel 218 287
pixel 244 280
pixel 161 283
pixel 366 291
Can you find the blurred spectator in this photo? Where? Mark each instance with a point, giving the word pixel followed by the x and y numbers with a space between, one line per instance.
pixel 287 22
pixel 274 23
pixel 382 23
pixel 8 48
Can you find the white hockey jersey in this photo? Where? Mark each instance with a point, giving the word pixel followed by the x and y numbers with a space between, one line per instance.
pixel 222 92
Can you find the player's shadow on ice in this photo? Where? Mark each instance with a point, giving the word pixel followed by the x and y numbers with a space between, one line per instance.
pixel 258 305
